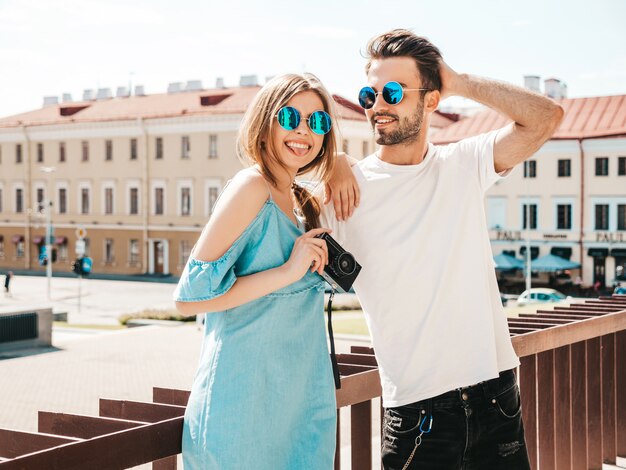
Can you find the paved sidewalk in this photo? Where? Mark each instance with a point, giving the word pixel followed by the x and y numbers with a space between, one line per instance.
pixel 123 364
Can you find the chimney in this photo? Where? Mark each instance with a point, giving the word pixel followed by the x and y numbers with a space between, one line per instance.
pixel 50 100
pixel 88 95
pixel 532 82
pixel 122 92
pixel 249 80
pixel 175 87
pixel 193 85
pixel 219 83
pixel 554 88
pixel 139 90
pixel 104 94
pixel 67 97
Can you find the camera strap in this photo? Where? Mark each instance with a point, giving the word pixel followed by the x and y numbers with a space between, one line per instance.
pixel 333 357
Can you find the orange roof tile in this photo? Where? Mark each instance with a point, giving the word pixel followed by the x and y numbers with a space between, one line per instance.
pixel 600 116
pixel 220 101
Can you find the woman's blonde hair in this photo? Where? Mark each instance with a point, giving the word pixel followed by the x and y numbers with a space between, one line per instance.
pixel 255 144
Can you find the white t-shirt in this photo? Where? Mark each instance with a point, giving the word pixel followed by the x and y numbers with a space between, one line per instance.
pixel 428 285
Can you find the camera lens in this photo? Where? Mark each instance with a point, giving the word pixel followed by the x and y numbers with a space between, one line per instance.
pixel 346 264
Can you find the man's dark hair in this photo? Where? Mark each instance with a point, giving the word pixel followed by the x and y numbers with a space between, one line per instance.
pixel 404 43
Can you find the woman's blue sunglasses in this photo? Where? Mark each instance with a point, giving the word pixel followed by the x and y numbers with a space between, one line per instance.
pixel 392 93
pixel 289 119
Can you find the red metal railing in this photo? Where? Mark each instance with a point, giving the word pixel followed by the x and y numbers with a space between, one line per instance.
pixel 572 379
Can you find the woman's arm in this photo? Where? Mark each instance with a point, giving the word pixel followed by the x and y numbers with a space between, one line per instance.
pixel 236 209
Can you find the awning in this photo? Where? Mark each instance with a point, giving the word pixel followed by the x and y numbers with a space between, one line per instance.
pixel 551 263
pixel 17 238
pixel 60 240
pixel 561 251
pixel 38 240
pixel 621 252
pixel 598 252
pixel 505 262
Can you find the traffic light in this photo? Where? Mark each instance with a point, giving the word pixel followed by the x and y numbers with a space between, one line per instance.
pixel 77 266
pixel 54 255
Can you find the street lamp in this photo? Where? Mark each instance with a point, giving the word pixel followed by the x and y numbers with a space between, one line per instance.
pixel 48 203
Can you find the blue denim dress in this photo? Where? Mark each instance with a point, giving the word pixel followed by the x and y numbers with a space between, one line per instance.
pixel 263 396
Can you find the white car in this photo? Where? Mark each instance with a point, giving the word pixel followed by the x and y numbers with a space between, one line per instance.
pixel 541 295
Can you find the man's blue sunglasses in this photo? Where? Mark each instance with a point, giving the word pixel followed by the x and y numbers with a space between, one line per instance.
pixel 392 93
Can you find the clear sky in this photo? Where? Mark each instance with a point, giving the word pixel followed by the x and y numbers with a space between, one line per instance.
pixel 48 47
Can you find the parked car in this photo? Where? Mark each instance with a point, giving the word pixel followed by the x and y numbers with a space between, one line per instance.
pixel 541 295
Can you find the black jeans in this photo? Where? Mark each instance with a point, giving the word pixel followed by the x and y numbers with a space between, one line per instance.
pixel 473 428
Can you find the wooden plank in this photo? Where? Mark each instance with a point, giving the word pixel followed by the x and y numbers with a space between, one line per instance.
pixel 528 391
pixel 350 369
pixel 620 387
pixel 562 408
pixel 15 443
pixel 578 362
pixel 358 388
pixel 361 350
pixel 607 383
pixel 594 404
pixel 168 463
pixel 170 396
pixel 139 411
pixel 563 335
pixel 83 427
pixel 123 449
pixel 545 410
pixel 361 434
pixel 361 359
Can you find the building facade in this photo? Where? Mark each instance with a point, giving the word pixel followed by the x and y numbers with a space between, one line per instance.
pixel 569 198
pixel 139 173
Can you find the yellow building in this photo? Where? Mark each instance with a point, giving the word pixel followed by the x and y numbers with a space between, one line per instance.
pixel 139 173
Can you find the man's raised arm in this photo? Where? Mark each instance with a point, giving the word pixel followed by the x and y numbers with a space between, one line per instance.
pixel 535 117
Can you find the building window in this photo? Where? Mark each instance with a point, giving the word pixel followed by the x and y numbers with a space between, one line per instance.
pixel 185 251
pixel 19 200
pixel 63 251
pixel 620 268
pixel 85 151
pixel 185 200
pixel 41 196
pixel 214 192
pixel 1 248
pixel 19 249
pixel 108 201
pixel 602 217
pixel 40 153
pixel 185 146
pixel 621 217
pixel 133 149
pixel 530 169
pixel 0 200
pixel 108 250
pixel 18 153
pixel 134 201
pixel 602 166
pixel 62 201
pixel 61 152
pixel 344 146
pixel 108 150
pixel 564 216
pixel 621 166
pixel 565 168
pixel 159 148
pixel 84 200
pixel 158 201
pixel 133 252
pixel 529 210
pixel 213 146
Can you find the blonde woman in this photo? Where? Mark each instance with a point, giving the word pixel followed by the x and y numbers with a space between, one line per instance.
pixel 263 396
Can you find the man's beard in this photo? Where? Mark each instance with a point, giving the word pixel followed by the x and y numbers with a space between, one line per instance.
pixel 407 131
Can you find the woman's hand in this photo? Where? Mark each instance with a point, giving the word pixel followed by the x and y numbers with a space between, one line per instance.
pixel 342 188
pixel 308 253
